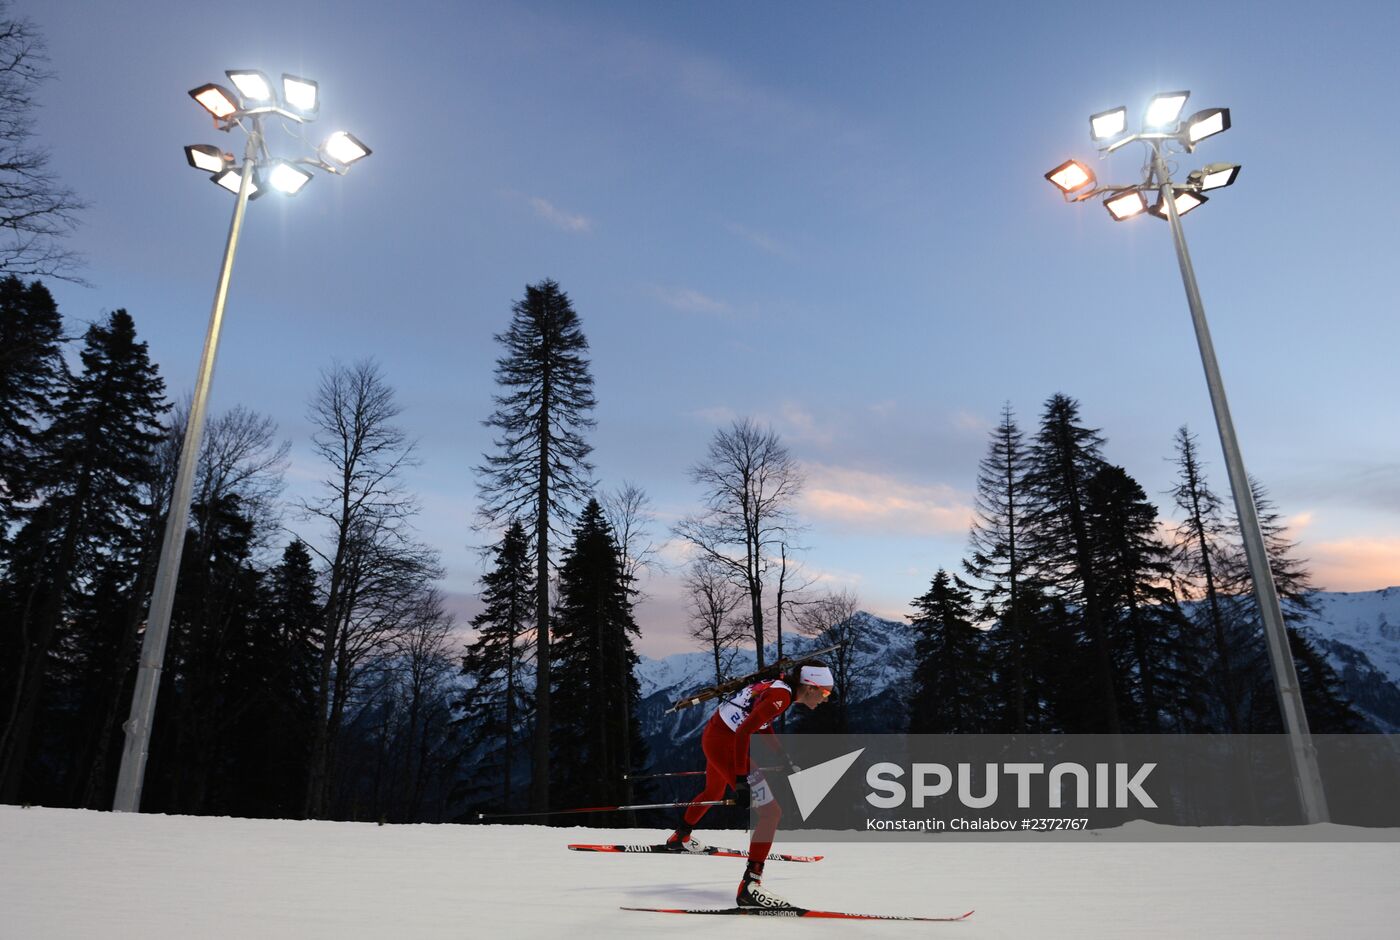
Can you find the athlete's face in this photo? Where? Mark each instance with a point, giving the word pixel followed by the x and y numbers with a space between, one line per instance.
pixel 812 695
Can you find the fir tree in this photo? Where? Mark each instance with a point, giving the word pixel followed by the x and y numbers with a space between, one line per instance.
pixel 1136 598
pixel 283 661
pixel 1064 458
pixel 996 562
pixel 31 377
pixel 1327 707
pixel 541 469
pixel 497 703
pixel 94 458
pixel 950 663
pixel 1196 553
pixel 597 738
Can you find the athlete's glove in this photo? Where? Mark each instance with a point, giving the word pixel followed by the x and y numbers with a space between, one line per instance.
pixel 742 796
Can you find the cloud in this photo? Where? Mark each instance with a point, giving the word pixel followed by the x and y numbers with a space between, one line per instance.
pixel 799 424
pixel 967 421
pixel 764 243
pixel 1356 564
pixel 881 503
pixel 883 409
pixel 690 301
pixel 557 217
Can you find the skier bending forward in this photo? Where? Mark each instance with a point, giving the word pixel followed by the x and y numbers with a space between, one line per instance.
pixel 726 745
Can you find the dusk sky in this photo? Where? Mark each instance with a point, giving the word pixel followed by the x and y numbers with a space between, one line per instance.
pixel 829 217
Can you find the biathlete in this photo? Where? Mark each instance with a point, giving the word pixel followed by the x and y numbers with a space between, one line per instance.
pixel 726 746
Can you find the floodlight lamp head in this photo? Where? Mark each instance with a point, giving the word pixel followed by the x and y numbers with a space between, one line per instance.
pixel 232 178
pixel 1107 125
pixel 300 95
pixel 1204 124
pixel 254 86
pixel 344 148
pixel 1072 177
pixel 1165 108
pixel 1214 175
pixel 216 99
pixel 1125 205
pixel 286 178
pixel 1185 201
pixel 207 157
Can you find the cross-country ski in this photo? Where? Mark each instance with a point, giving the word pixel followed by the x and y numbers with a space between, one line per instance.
pixel 667 849
pixel 797 912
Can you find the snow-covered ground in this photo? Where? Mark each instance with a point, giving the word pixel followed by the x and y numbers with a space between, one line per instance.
pixel 68 873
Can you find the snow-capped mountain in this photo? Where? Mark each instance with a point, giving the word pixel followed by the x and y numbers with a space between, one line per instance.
pixel 1359 633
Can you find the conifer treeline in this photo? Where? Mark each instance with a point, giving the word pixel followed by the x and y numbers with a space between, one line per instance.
pixel 281 650
pixel 1080 616
pixel 320 678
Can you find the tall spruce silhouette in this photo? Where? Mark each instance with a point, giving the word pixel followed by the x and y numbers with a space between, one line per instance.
pixel 1063 459
pixel 1196 555
pixel 1145 625
pixel 951 674
pixel 540 470
pixel 31 380
pixel 997 564
pixel 497 701
pixel 597 738
pixel 1327 707
pixel 92 462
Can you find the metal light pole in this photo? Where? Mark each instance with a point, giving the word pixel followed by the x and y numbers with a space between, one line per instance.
pixel 246 111
pixel 1082 186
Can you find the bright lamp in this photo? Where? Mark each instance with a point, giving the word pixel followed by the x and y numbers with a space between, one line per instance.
pixel 216 99
pixel 1185 202
pixel 1125 205
pixel 254 86
pixel 344 148
pixel 287 178
pixel 1205 124
pixel 1215 175
pixel 1071 176
pixel 300 94
pixel 207 157
pixel 232 178
pixel 1108 124
pixel 1165 108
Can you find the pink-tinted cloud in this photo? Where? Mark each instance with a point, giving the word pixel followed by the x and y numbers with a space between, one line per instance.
pixel 873 502
pixel 1355 564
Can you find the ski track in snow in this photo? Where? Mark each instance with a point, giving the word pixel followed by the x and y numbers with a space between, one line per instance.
pixel 72 873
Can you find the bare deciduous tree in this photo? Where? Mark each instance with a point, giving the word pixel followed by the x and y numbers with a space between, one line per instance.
pixel 36 211
pixel 750 480
pixel 713 600
pixel 833 619
pixel 367 509
pixel 629 515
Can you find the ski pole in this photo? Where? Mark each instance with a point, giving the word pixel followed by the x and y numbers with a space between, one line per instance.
pixel 605 809
pixel 681 773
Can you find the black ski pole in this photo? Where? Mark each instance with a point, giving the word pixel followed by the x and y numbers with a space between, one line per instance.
pixel 604 809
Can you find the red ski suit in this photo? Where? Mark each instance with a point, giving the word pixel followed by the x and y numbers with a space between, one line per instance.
pixel 727 755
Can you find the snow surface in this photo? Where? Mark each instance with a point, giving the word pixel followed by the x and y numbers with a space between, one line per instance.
pixel 74 873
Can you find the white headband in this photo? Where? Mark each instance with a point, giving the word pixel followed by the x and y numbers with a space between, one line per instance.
pixel 817 675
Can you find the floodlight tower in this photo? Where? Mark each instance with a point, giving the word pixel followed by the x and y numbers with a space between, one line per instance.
pixel 256 99
pixel 1163 130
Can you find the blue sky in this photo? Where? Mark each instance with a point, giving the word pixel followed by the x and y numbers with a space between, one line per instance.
pixel 830 217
